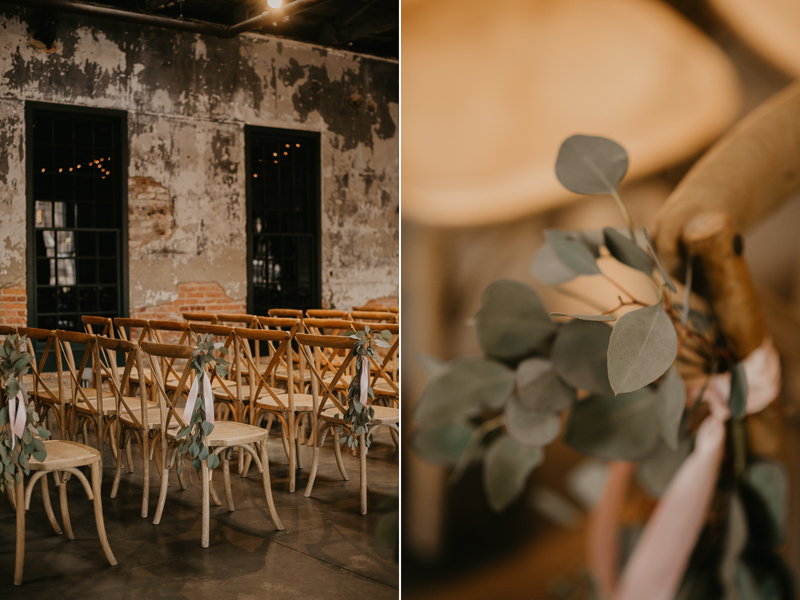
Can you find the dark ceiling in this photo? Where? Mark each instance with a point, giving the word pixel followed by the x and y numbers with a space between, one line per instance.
pixel 366 26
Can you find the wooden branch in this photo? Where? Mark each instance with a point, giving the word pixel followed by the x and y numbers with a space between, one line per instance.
pixel 748 173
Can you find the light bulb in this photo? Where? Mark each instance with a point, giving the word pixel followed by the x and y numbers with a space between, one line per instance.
pixel 274 3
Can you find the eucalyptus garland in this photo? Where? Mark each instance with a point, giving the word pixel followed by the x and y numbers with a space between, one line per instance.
pixel 501 409
pixel 193 436
pixel 16 450
pixel 358 414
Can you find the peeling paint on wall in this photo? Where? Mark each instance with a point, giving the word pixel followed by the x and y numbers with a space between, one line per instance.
pixel 188 98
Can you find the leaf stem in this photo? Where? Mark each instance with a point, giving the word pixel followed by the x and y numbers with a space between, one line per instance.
pixel 472 447
pixel 624 291
pixel 625 213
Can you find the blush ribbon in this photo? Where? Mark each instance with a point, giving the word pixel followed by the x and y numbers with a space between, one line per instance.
pixel 657 565
pixel 17 417
pixel 208 399
pixel 364 384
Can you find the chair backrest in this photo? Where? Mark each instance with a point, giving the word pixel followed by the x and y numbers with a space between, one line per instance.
pixel 159 354
pixel 386 368
pixel 133 330
pixel 201 317
pixel 321 352
pixel 75 371
pixel 327 326
pixel 374 308
pixel 226 336
pixel 6 330
pixel 374 316
pixel 292 313
pixel 321 313
pixel 238 320
pixel 98 325
pixel 262 379
pixel 47 391
pixel 121 384
pixel 165 331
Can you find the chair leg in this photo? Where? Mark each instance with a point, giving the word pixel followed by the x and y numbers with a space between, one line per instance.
pixel 337 450
pixel 118 468
pixel 226 476
pixel 213 490
pixel 19 493
pixel 268 486
pixel 291 425
pixel 146 469
pixel 129 455
pixel 62 502
pixel 12 496
pixel 162 494
pixel 362 451
pixel 98 514
pixel 313 475
pixel 48 507
pixel 206 508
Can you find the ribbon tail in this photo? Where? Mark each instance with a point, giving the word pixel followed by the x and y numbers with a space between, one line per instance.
pixel 190 400
pixel 602 539
pixel 659 561
pixel 208 398
pixel 364 384
pixel 17 417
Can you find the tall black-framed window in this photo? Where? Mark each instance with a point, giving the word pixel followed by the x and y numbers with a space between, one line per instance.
pixel 283 219
pixel 77 214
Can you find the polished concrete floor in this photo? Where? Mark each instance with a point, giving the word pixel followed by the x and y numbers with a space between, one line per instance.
pixel 326 551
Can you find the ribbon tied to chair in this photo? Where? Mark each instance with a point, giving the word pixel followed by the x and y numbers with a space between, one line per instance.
pixel 208 400
pixel 656 567
pixel 364 383
pixel 17 417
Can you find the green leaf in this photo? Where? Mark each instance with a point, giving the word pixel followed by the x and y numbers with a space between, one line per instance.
pixel 43 433
pixel 769 480
pixel 671 404
pixel 548 268
pixel 529 427
pixel 579 356
pixel 572 252
pixel 667 280
pixel 207 427
pixel 443 444
pixel 386 335
pixel 512 321
pixel 626 251
pixel 506 467
pixel 588 164
pixel 622 427
pixel 737 403
pixel 540 389
pixel 40 455
pixel 194 450
pixel 469 384
pixel 604 318
pixel 643 346
pixel 203 454
pixel 656 471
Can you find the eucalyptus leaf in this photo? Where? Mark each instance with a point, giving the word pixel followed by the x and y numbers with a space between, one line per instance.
pixel 572 252
pixel 656 471
pixel 506 467
pixel 737 403
pixel 443 444
pixel 671 404
pixel 667 280
pixel 530 427
pixel 626 251
pixel 622 427
pixel 540 389
pixel 769 480
pixel 604 318
pixel 548 268
pixel 579 356
pixel 588 164
pixel 213 461
pixel 469 384
pixel 643 346
pixel 512 321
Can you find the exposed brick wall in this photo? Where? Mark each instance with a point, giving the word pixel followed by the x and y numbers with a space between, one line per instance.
pixel 151 214
pixel 13 306
pixel 193 297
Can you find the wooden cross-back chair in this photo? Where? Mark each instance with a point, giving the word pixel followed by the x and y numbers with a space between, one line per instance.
pixel 225 436
pixel 287 406
pixel 384 371
pixel 87 405
pixel 322 313
pixel 227 392
pixel 169 332
pixel 329 360
pixel 330 408
pixel 373 308
pixel 300 375
pixel 101 326
pixel 372 316
pixel 136 417
pixel 64 458
pixel 201 317
pixel 238 320
pixel 286 313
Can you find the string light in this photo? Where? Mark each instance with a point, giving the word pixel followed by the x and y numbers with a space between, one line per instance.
pixel 255 174
pixel 274 3
pixel 95 162
pixel 298 145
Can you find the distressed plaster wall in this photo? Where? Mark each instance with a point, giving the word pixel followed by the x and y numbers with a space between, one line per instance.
pixel 188 98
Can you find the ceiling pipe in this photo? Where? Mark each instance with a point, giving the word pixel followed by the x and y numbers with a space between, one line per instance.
pixel 169 23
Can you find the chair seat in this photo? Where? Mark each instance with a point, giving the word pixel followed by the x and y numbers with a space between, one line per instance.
pixel 384 415
pixel 302 402
pixel 109 402
pixel 231 433
pixel 153 415
pixel 62 454
pixel 282 373
pixel 246 391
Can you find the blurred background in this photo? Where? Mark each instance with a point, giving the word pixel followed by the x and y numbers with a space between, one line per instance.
pixel 489 92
